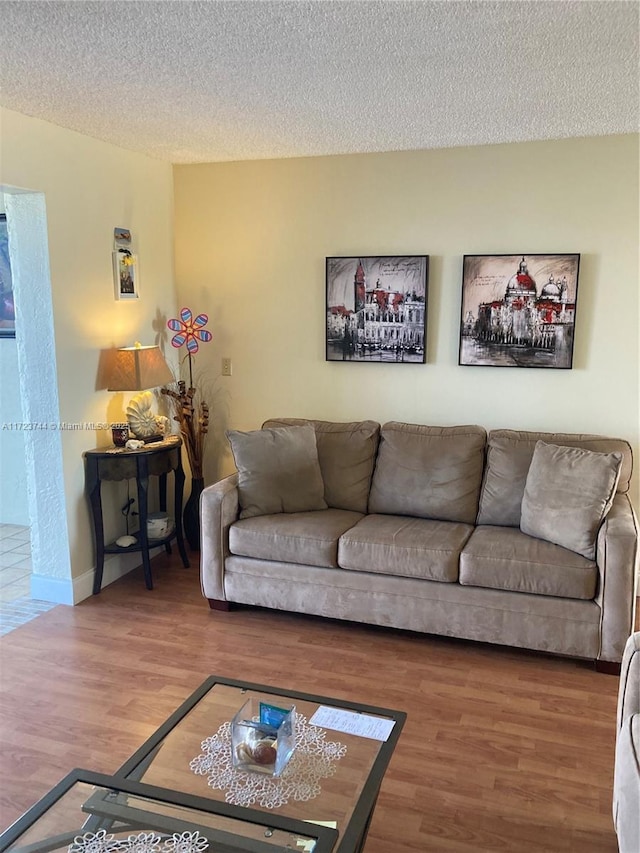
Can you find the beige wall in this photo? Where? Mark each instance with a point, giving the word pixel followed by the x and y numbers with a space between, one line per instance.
pixel 90 187
pixel 251 242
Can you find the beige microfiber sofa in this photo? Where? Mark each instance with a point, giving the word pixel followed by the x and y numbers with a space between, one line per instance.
pixel 626 781
pixel 441 530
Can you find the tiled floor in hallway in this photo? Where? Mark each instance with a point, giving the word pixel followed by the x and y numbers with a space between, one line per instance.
pixel 16 604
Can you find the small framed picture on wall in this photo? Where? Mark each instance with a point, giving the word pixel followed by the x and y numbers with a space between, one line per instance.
pixel 125 275
pixel 518 310
pixel 376 308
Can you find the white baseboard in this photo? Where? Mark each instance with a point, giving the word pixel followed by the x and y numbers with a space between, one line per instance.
pixel 75 590
pixel 58 590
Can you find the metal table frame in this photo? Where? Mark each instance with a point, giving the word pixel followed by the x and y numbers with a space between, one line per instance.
pixel 102 814
pixel 353 837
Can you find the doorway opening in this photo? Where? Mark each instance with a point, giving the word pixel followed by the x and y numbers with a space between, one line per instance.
pixel 29 411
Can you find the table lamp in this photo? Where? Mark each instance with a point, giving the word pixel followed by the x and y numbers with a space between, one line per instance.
pixel 139 368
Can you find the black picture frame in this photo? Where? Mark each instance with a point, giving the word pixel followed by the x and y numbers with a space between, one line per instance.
pixel 518 310
pixel 376 309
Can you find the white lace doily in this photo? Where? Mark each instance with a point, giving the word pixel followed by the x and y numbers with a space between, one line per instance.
pixel 143 842
pixel 313 759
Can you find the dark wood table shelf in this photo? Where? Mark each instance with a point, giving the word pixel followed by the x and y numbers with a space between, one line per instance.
pixel 114 548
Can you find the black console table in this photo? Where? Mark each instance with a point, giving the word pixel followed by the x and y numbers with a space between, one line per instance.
pixel 119 463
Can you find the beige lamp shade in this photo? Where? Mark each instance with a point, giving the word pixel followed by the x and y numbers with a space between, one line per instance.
pixel 137 368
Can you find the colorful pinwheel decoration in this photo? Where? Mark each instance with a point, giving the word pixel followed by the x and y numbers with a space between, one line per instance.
pixel 193 418
pixel 189 332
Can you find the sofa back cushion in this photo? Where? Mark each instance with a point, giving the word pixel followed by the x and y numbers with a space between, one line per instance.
pixel 509 455
pixel 278 470
pixel 347 455
pixel 429 472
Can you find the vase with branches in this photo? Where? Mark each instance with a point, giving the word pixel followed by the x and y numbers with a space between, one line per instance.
pixel 191 413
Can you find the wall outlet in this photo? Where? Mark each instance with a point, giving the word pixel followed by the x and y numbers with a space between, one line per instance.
pixel 226 367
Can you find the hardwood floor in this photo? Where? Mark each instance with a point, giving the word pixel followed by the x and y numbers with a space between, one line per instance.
pixel 502 750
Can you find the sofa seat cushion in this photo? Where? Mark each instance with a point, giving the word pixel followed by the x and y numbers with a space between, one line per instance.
pixel 428 472
pixel 407 547
pixel 505 558
pixel 310 538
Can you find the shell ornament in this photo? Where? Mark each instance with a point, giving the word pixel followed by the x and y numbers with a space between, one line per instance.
pixel 142 421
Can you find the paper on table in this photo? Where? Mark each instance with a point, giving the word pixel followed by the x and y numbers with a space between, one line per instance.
pixel 362 725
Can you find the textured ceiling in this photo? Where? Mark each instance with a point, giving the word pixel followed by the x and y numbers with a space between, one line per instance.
pixel 210 81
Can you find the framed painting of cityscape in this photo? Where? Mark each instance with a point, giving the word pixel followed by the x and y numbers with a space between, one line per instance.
pixel 377 308
pixel 518 310
pixel 7 308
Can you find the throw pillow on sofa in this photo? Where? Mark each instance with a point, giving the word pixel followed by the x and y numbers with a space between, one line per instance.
pixel 347 456
pixel 567 495
pixel 509 455
pixel 278 470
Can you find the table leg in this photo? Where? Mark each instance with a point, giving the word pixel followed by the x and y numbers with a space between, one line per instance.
pixel 162 489
pixel 143 487
pixel 365 831
pixel 95 501
pixel 179 488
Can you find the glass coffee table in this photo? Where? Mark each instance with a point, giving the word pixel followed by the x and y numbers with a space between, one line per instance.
pixel 332 779
pixel 92 813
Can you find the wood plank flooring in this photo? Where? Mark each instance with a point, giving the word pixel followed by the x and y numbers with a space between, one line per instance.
pixel 503 750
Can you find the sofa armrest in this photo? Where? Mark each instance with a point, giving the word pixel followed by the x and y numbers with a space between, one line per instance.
pixel 626 780
pixel 629 688
pixel 219 508
pixel 617 558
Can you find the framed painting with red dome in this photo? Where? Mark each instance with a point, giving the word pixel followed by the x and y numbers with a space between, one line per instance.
pixel 518 310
